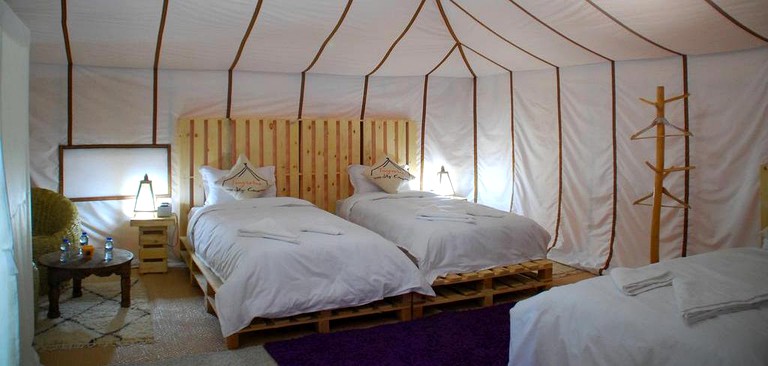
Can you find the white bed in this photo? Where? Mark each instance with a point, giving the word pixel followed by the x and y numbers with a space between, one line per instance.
pixel 593 323
pixel 270 278
pixel 443 247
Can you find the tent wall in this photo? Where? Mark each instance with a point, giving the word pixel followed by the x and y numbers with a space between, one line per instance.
pixel 727 116
pixel 16 281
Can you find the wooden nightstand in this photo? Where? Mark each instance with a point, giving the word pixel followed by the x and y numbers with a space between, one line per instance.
pixel 153 237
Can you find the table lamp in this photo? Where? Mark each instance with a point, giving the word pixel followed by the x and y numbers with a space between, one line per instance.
pixel 145 197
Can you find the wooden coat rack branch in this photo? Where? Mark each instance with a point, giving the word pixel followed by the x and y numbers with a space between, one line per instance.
pixel 660 122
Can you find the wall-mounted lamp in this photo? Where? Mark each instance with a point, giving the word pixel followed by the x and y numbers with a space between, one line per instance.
pixel 145 197
pixel 444 187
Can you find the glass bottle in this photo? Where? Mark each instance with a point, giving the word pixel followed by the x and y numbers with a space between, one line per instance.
pixel 108 245
pixel 83 242
pixel 64 250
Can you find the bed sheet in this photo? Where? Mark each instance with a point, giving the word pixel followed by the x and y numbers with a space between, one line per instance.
pixel 443 247
pixel 592 323
pixel 270 278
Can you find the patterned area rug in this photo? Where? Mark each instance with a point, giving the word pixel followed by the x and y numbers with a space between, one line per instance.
pixel 96 318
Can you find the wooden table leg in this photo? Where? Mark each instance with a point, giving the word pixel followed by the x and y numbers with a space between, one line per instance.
pixel 77 286
pixel 125 285
pixel 54 284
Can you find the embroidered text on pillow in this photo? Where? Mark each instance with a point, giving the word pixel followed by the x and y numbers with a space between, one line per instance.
pixel 388 175
pixel 243 182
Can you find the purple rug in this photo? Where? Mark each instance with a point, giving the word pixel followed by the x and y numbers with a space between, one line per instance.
pixel 472 337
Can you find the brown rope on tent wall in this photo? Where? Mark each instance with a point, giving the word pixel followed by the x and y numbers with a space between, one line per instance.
pixel 455 38
pixel 304 80
pixel 362 118
pixel 512 133
pixel 500 36
pixel 615 187
pixel 158 47
pixel 424 111
pixel 687 173
pixel 68 49
pixel 246 35
pixel 487 58
pixel 736 22
pixel 474 92
pixel 687 158
pixel 474 133
pixel 556 32
pixel 630 30
pixel 424 120
pixel 614 202
pixel 559 163
pixel 383 59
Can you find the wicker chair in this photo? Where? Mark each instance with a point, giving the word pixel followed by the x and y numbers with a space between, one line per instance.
pixel 54 217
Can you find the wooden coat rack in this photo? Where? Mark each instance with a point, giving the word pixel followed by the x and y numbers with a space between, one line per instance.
pixel 659 169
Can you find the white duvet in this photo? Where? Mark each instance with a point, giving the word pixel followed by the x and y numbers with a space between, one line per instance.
pixel 593 323
pixel 271 278
pixel 443 247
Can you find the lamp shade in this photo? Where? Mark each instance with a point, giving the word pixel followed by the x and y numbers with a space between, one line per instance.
pixel 145 197
pixel 444 183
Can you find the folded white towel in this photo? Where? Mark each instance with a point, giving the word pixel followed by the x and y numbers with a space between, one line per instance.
pixel 485 211
pixel 721 282
pixel 699 300
pixel 633 281
pixel 269 229
pixel 328 229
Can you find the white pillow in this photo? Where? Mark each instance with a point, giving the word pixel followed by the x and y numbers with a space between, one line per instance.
pixel 216 194
pixel 360 183
pixel 386 174
pixel 243 181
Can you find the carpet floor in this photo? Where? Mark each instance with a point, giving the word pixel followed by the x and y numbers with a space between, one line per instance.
pixel 470 337
pixel 95 318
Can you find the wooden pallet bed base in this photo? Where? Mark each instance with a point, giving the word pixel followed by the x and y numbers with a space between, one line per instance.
pixel 485 285
pixel 209 283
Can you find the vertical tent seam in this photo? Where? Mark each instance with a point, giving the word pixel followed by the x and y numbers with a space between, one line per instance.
pixel 612 239
pixel 303 83
pixel 559 163
pixel 158 47
pixel 424 111
pixel 512 133
pixel 474 94
pixel 384 59
pixel 687 172
pixel 684 244
pixel 615 169
pixel 68 50
pixel 239 53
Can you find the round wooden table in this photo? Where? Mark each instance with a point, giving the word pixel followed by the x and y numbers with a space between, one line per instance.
pixel 79 268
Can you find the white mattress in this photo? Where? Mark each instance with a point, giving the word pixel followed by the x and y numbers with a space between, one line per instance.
pixel 270 278
pixel 443 247
pixel 592 323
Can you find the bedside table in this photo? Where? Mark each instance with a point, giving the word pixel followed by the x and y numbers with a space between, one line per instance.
pixel 153 237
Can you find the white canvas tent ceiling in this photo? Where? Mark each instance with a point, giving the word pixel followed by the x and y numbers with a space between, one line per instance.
pixel 552 106
pixel 287 35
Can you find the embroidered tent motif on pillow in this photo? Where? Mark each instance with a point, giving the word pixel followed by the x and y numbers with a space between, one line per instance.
pixel 243 182
pixel 388 175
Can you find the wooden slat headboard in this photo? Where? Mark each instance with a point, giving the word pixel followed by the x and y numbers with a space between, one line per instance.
pixel 310 156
